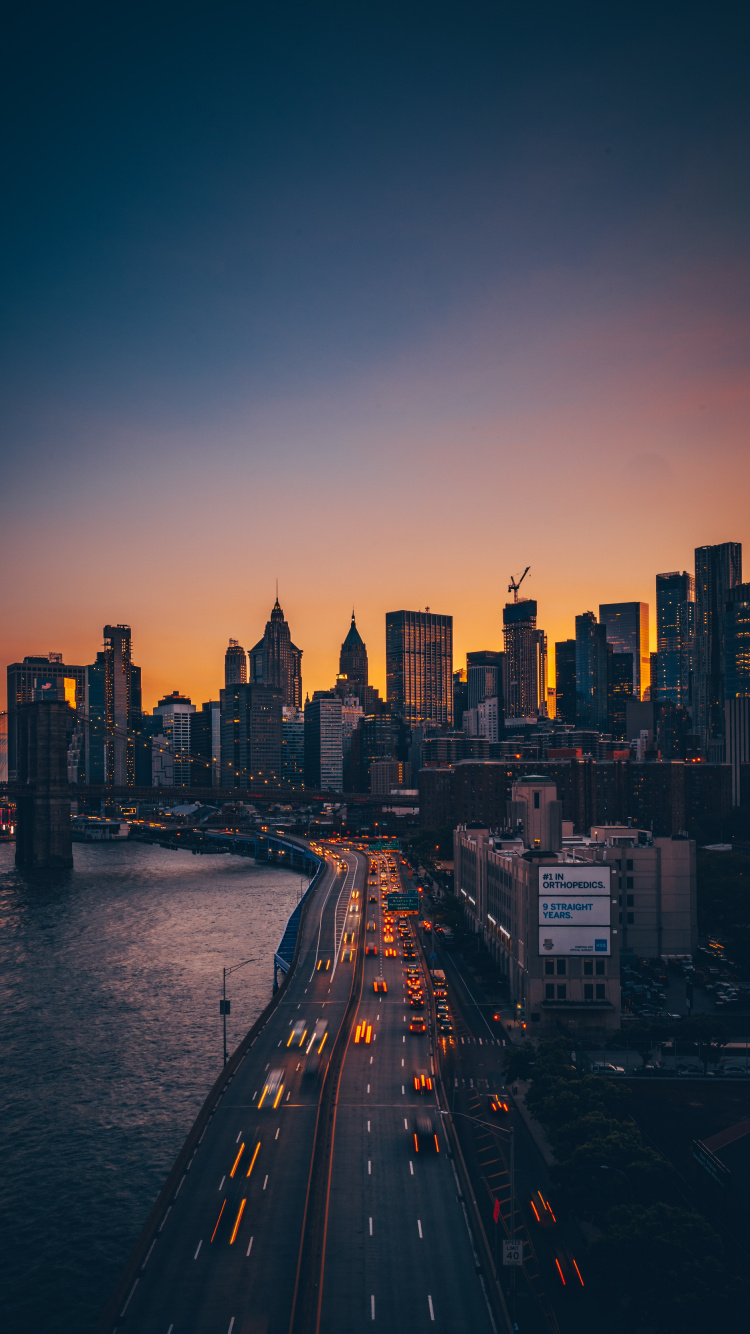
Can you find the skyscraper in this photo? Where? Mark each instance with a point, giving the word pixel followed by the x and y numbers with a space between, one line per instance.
pixel 251 744
pixel 235 664
pixel 675 627
pixel 275 661
pixel 620 691
pixel 205 745
pixel 718 569
pixel 627 632
pixel 175 712
pixel 484 676
pixel 324 755
pixel 419 667
pixel 122 706
pixel 737 683
pixel 460 696
pixel 565 680
pixel 292 748
pixel 525 660
pixel 592 672
pixel 353 662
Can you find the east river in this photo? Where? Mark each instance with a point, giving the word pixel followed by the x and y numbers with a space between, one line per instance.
pixel 110 1039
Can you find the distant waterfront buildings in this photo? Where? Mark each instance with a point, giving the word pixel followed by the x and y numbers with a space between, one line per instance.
pixel 292 748
pixel 251 736
pixel 175 712
pixel 122 706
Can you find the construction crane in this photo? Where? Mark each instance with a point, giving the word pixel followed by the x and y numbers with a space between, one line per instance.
pixel 514 586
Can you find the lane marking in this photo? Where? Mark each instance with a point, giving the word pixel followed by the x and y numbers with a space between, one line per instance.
pixel 265 1183
pixel 164 1219
pixel 221 1183
pixel 179 1188
pixel 151 1247
pixel 403 1090
pixel 200 1243
pixel 370 1227
pixel 239 1137
pixel 369 1167
pixel 231 1326
pixel 368 1127
pixel 372 1307
pixel 402 1060
pixel 250 1247
pixel 276 1136
pixel 411 1167
pixel 368 1088
pixel 135 1285
pixel 429 1303
pixel 406 1124
pixel 419 1227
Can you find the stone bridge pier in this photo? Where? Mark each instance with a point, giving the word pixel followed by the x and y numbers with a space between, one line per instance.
pixel 43 839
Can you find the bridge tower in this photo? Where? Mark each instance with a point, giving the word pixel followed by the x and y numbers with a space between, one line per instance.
pixel 43 841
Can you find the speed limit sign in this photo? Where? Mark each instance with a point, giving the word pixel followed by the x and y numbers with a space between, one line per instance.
pixel 513 1252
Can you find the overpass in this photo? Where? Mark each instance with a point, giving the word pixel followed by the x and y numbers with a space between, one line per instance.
pixel 308 1209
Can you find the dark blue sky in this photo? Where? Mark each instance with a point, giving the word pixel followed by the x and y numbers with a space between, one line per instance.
pixel 297 247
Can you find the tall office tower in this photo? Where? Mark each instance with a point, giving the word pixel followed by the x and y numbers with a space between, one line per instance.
pixel 484 676
pixel 3 747
pixel 592 674
pixel 627 632
pixel 353 662
pixel 95 722
pixel 275 661
pixel 292 748
pixel 251 717
pixel 621 690
pixel 235 664
pixel 352 714
pixel 525 658
pixel 460 696
pixel 175 712
pixel 122 705
pixel 718 569
pixel 737 702
pixel 675 627
pixel 22 677
pixel 419 667
pixel 565 680
pixel 205 745
pixel 324 754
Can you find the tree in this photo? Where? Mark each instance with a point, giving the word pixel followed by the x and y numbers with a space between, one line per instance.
pixel 665 1267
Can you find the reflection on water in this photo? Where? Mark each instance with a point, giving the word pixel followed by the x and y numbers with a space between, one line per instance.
pixel 110 1038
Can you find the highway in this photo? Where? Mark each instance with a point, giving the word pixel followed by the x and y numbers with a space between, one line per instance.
pixel 398 1248
pixel 308 1206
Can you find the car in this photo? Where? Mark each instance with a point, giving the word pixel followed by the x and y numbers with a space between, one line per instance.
pixel 607 1068
pixel 425 1135
pixel 689 1068
pixel 298 1034
pixel 416 1002
pixel 373 898
pixel 379 984
pixel 348 956
pixel 371 926
pixel 312 1067
pixel 371 949
pixel 734 1071
pixel 417 1024
pixel 542 1212
pixel 391 954
pixel 499 1104
pixel 422 1081
pixel 444 1026
pixel 272 1089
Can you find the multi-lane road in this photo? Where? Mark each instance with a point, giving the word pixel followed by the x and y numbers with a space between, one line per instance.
pixel 231 1252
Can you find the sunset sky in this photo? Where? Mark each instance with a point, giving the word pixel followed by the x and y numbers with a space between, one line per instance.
pixel 384 302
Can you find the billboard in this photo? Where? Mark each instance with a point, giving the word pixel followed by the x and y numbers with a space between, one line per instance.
pixel 574 910
pixel 573 880
pixel 571 940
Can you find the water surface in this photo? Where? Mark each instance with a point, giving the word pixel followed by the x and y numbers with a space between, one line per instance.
pixel 110 1038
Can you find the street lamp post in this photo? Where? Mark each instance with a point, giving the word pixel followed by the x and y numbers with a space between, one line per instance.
pixel 224 1004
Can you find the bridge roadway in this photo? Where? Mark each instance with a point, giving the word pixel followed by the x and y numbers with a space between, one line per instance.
pixel 397 1250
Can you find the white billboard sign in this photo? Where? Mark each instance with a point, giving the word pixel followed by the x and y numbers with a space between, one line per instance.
pixel 561 880
pixel 571 940
pixel 574 910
